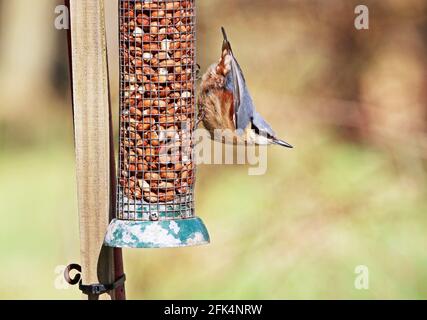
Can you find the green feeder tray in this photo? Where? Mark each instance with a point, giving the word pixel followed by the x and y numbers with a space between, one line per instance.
pixel 157 234
pixel 143 225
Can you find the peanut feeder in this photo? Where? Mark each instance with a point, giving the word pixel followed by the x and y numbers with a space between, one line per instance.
pixel 156 178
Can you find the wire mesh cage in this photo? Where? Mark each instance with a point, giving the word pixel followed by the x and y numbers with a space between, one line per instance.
pixel 156 180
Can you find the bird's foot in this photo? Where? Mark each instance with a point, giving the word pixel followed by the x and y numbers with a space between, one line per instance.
pixel 198 73
pixel 200 116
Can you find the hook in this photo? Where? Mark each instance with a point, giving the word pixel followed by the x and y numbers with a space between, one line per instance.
pixel 78 276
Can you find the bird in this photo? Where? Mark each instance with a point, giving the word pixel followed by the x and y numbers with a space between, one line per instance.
pixel 225 105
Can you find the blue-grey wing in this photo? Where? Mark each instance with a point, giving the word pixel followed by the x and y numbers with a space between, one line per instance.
pixel 243 104
pixel 262 126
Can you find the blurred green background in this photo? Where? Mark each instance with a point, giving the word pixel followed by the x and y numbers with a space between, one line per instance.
pixel 353 192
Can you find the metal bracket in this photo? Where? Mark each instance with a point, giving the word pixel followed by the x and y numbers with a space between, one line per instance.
pixel 92 289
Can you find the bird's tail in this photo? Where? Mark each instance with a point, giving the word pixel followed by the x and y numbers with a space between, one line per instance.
pixel 226 46
pixel 282 143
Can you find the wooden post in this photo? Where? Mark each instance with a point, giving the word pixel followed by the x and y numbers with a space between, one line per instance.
pixel 95 163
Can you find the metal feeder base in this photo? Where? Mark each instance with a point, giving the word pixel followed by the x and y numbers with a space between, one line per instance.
pixel 157 234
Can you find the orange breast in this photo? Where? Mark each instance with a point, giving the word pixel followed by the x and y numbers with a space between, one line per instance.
pixel 218 108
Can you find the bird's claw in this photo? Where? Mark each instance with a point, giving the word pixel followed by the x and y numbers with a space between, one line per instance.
pixel 200 116
pixel 198 73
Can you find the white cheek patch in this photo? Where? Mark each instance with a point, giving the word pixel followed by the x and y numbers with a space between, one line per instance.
pixel 255 138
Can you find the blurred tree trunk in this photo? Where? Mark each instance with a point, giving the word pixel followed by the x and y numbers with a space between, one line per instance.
pixel 27 36
pixel 393 85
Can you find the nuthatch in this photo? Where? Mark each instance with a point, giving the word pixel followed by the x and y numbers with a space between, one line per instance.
pixel 225 103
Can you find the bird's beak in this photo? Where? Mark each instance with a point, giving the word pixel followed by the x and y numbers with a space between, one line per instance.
pixel 283 143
